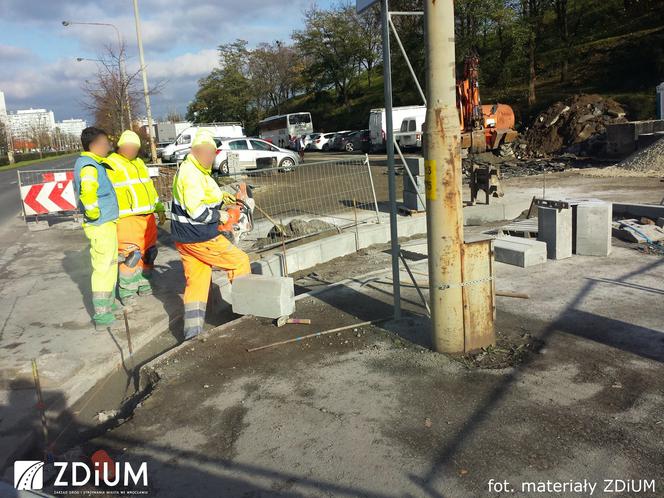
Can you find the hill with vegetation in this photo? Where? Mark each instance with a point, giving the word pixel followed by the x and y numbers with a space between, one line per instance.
pixel 532 53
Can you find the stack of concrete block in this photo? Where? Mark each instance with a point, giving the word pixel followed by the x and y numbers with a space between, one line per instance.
pixel 262 295
pixel 554 226
pixel 414 195
pixel 519 251
pixel 592 228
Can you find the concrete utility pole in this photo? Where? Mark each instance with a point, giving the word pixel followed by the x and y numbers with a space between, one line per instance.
pixel 442 155
pixel 146 89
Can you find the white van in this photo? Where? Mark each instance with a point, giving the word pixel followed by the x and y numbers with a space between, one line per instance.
pixel 377 122
pixel 182 144
pixel 410 133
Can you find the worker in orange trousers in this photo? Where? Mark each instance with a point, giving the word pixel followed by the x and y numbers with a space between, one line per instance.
pixel 196 213
pixel 138 203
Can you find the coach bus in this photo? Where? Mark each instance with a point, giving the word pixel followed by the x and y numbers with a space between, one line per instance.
pixel 283 129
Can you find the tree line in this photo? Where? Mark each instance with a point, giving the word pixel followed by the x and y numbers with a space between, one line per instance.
pixel 522 45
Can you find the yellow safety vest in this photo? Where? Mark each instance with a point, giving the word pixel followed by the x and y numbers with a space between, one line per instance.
pixel 133 186
pixel 196 202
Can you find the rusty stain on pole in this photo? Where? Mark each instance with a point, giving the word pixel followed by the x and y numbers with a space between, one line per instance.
pixel 442 156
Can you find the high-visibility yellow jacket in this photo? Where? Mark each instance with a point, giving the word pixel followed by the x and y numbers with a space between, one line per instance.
pixel 96 196
pixel 196 202
pixel 133 186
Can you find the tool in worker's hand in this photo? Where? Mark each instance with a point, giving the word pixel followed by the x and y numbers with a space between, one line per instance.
pixel 240 214
pixel 162 217
pixel 284 320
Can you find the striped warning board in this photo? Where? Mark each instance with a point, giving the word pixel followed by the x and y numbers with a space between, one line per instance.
pixel 49 197
pixel 57 176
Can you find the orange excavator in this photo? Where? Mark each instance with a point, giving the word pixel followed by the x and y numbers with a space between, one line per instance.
pixel 483 127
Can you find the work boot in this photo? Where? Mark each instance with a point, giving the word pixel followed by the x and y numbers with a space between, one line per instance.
pixel 117 309
pixel 145 290
pixel 106 321
pixel 128 300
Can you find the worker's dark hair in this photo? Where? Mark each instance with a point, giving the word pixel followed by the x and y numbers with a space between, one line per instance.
pixel 89 135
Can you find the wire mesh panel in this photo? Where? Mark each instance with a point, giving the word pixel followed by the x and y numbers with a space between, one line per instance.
pixel 36 176
pixel 164 181
pixel 315 197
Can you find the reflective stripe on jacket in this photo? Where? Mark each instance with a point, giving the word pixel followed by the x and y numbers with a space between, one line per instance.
pixel 94 190
pixel 196 202
pixel 133 186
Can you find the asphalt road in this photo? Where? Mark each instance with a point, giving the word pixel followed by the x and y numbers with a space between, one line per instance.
pixel 10 199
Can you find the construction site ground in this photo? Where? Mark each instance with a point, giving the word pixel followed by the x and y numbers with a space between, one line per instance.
pixel 573 390
pixel 573 393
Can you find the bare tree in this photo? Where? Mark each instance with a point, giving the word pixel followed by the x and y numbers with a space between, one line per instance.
pixel 40 134
pixel 110 95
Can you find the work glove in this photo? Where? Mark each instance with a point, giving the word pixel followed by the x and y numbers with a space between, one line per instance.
pixel 223 217
pixel 162 217
pixel 227 199
pixel 92 214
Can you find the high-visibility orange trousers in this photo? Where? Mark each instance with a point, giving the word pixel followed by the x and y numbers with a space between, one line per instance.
pixel 198 258
pixel 136 233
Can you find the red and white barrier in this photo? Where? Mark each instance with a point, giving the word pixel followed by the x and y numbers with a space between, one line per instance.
pixel 49 197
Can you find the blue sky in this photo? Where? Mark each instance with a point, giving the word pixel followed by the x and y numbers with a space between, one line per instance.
pixel 38 55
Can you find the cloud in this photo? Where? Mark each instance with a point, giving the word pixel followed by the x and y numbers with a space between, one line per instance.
pixel 9 53
pixel 180 40
pixel 166 24
pixel 57 85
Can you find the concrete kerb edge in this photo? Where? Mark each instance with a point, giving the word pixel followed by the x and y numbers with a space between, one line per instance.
pixel 149 375
pixel 81 389
pixel 367 235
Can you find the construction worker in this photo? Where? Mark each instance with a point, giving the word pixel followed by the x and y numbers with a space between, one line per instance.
pixel 138 202
pixel 196 213
pixel 97 201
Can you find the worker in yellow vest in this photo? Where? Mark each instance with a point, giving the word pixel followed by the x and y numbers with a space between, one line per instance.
pixel 196 213
pixel 138 202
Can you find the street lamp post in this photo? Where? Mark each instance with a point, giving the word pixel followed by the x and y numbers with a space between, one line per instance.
pixel 146 89
pixel 121 64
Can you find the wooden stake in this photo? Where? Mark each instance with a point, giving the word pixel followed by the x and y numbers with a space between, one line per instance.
pixel 126 320
pixel 40 405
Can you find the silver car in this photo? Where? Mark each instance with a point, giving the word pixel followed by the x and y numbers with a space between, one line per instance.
pixel 251 153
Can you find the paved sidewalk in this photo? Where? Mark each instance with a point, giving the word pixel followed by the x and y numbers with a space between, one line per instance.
pixel 45 309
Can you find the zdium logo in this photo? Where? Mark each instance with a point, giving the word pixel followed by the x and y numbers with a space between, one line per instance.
pixel 28 474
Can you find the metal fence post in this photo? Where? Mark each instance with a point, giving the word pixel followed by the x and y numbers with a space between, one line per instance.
pixel 373 187
pixel 389 134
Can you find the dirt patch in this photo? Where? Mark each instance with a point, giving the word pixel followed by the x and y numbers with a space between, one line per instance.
pixel 509 351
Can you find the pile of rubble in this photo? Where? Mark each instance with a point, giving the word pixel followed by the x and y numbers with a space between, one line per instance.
pixel 296 229
pixel 576 126
pixel 648 160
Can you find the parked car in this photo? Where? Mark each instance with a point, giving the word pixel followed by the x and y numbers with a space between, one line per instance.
pixel 251 151
pixel 321 141
pixel 181 154
pixel 337 144
pixel 357 141
pixel 161 146
pixel 410 133
pixel 183 142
